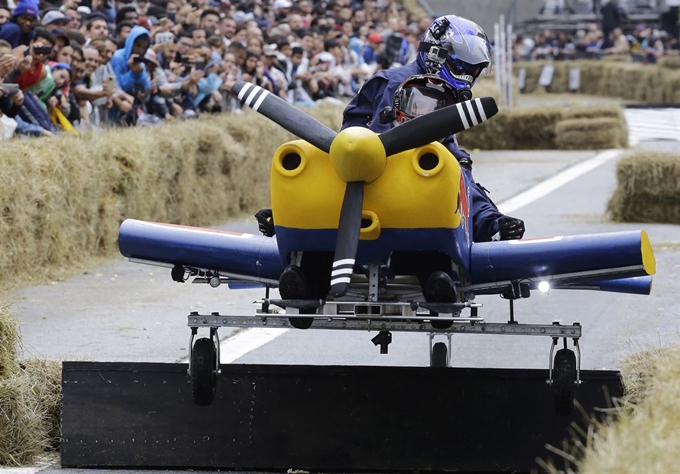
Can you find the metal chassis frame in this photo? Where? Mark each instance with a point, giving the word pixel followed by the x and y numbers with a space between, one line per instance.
pixel 330 315
pixel 368 323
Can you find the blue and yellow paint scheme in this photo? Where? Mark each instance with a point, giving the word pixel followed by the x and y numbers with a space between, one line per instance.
pixel 413 201
pixel 414 204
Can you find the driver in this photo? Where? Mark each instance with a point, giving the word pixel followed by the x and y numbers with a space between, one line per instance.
pixel 458 51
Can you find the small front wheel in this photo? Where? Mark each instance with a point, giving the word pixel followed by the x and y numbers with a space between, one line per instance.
pixel 439 355
pixel 203 371
pixel 564 381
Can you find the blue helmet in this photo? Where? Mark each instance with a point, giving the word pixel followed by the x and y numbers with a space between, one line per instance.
pixel 457 50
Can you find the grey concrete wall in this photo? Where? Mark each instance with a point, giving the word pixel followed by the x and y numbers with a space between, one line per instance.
pixel 486 12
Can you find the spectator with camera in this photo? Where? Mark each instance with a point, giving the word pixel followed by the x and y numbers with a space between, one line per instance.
pixel 89 94
pixel 31 69
pixel 104 78
pixel 11 97
pixel 128 63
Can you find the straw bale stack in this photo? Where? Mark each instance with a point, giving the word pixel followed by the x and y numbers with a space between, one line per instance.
pixel 63 199
pixel 30 404
pixel 597 133
pixel 9 338
pixel 614 77
pixel 535 128
pixel 30 412
pixel 648 188
pixel 670 62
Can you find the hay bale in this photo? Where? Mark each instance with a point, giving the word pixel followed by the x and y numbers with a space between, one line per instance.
pixel 9 340
pixel 648 189
pixel 614 77
pixel 534 128
pixel 591 133
pixel 670 62
pixel 30 412
pixel 63 199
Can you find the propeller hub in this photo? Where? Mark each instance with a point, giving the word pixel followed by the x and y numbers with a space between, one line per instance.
pixel 357 154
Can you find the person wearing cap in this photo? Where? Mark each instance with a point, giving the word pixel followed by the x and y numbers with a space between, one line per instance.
pixel 54 19
pixel 19 30
pixel 282 7
pixel 275 76
pixel 372 48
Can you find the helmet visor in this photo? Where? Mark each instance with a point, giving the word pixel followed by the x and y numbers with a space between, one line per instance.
pixel 423 99
pixel 468 52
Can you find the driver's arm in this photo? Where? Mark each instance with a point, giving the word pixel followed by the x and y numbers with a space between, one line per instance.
pixel 364 109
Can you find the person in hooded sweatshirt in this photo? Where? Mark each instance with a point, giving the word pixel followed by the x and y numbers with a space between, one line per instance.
pixel 128 63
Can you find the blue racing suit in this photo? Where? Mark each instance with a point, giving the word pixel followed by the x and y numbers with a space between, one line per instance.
pixel 364 111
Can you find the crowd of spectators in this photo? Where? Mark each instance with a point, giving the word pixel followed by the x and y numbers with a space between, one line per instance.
pixel 642 42
pixel 70 65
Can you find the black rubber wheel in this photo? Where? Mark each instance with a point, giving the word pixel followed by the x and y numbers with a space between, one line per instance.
pixel 203 373
pixel 439 351
pixel 564 378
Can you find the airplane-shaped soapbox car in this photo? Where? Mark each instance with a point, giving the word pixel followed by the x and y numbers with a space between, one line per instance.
pixel 362 219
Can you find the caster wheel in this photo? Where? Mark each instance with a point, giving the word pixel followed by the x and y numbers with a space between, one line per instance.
pixel 439 352
pixel 203 373
pixel 564 376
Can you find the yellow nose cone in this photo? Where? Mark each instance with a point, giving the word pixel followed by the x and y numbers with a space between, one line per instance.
pixel 357 154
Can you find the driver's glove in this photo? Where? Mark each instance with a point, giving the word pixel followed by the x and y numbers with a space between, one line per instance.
pixel 510 228
pixel 265 222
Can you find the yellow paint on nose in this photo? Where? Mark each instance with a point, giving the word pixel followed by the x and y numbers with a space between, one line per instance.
pixel 648 260
pixel 357 154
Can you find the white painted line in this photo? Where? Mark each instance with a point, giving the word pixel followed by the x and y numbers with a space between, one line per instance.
pixel 550 185
pixel 27 470
pixel 239 345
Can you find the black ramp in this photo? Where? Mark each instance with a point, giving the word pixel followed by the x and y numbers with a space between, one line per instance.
pixel 317 417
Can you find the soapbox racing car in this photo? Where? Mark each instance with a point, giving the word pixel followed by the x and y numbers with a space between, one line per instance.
pixel 362 221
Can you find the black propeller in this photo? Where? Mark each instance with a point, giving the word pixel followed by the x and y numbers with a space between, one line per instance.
pixel 359 148
pixel 281 112
pixel 347 242
pixel 438 124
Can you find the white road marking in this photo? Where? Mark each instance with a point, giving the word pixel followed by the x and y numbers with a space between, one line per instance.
pixel 557 181
pixel 239 345
pixel 20 470
pixel 28 470
pixel 246 341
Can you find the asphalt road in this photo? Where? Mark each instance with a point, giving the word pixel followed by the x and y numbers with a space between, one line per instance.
pixel 130 312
